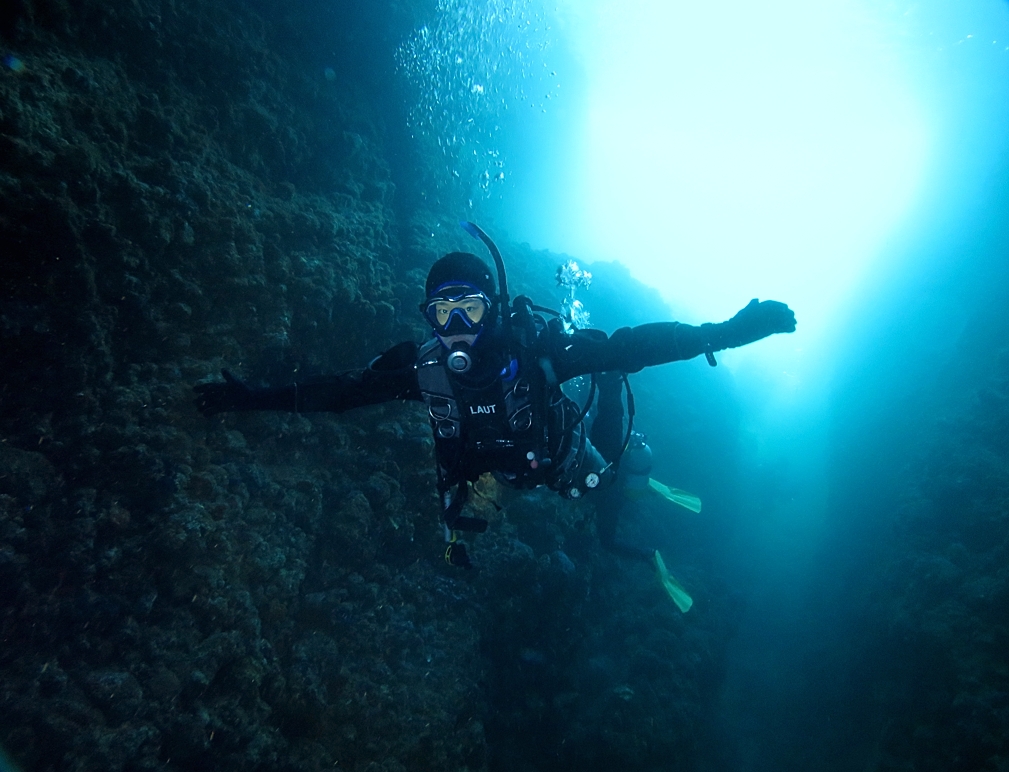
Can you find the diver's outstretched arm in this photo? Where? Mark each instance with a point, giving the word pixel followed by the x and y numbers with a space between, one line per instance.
pixel 631 349
pixel 390 376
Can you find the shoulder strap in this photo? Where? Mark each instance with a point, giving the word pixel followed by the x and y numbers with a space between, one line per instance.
pixel 442 406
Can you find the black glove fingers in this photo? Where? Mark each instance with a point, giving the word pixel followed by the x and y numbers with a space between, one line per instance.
pixel 789 320
pixel 213 398
pixel 784 317
pixel 209 398
pixel 755 321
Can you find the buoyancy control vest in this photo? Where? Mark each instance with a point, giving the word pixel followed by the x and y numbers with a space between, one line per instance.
pixel 519 425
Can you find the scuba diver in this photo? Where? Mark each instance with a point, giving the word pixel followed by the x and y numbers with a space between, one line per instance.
pixel 491 378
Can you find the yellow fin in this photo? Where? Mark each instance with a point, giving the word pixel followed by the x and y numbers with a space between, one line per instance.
pixel 673 588
pixel 684 499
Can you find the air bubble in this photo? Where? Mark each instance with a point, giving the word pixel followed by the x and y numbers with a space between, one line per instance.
pixel 467 70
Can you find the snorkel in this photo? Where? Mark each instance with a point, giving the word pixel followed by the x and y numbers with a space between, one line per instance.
pixel 504 303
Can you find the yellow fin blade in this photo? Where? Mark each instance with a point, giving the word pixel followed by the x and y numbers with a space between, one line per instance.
pixel 673 588
pixel 684 499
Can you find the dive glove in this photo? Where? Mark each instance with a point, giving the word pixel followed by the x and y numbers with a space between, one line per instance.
pixel 233 394
pixel 756 321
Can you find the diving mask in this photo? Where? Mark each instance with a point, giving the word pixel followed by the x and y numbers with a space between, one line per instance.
pixel 456 310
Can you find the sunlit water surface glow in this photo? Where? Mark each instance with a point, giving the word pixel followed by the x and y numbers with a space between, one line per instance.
pixel 738 150
pixel 776 150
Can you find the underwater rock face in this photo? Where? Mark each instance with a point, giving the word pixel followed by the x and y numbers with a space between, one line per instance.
pixel 941 668
pixel 177 197
pixel 184 187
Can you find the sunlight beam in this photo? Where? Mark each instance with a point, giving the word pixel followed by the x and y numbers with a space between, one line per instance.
pixel 736 151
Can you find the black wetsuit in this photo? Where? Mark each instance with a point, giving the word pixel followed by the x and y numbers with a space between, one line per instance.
pixel 393 375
